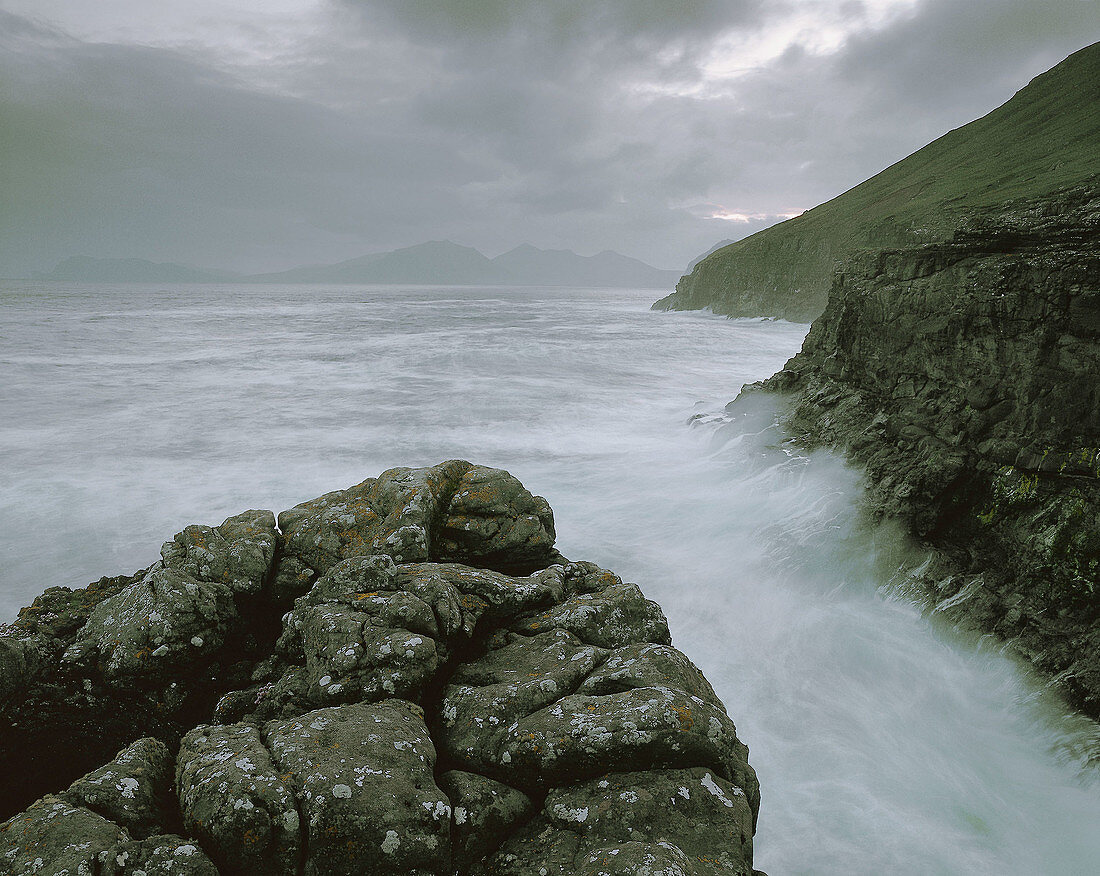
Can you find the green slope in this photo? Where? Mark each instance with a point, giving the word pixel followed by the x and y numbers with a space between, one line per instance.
pixel 1045 138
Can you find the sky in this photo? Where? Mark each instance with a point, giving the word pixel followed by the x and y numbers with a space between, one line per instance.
pixel 258 135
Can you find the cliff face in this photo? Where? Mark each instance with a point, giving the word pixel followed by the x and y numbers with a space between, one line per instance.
pixel 1043 139
pixel 404 677
pixel 966 377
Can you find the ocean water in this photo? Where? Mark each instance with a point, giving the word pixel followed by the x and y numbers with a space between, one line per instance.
pixel 885 741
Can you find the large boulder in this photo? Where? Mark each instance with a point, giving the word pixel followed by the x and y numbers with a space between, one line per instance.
pixel 238 553
pixel 407 679
pixel 155 628
pixel 452 511
pixel 233 798
pixel 132 790
pixel 363 775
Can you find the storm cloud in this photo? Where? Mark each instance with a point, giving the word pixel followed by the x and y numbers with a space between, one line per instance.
pixel 255 136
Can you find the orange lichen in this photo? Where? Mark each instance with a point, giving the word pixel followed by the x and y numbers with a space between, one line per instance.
pixel 683 713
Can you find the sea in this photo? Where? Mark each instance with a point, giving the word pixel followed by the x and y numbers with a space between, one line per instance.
pixel 885 740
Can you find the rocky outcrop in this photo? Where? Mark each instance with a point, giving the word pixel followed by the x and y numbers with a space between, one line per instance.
pixel 400 677
pixel 1043 139
pixel 965 376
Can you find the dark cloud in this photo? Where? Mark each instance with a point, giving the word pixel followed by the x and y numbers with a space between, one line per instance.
pixel 566 124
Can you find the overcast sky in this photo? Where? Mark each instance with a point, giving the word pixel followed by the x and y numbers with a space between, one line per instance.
pixel 262 134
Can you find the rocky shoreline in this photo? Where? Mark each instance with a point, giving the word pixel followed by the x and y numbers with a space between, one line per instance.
pixel 965 377
pixel 400 677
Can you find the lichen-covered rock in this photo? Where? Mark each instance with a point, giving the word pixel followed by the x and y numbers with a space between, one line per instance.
pixel 493 521
pixel 514 715
pixel 18 661
pixel 131 790
pixel 619 615
pixel 155 627
pixel 489 695
pixel 648 665
pixel 303 745
pixel 52 621
pixel 293 578
pixel 452 511
pixel 483 814
pixel 363 776
pixel 235 801
pixel 161 855
pixel 238 553
pixel 392 514
pixel 582 736
pixel 53 836
pixel 640 822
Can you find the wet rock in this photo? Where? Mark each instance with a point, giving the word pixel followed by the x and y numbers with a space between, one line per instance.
pixel 484 813
pixel 156 627
pixel 132 790
pixel 363 775
pixel 965 375
pixel 235 801
pixel 238 553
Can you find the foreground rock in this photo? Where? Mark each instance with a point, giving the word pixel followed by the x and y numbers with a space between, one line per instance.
pixel 402 677
pixel 966 377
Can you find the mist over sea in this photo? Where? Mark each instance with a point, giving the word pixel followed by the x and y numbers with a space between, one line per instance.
pixel 884 742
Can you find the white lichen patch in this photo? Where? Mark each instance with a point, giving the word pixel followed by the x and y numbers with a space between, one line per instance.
pixel 708 782
pixel 391 842
pixel 563 812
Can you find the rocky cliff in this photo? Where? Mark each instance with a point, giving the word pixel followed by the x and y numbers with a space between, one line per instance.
pixel 400 677
pixel 1043 139
pixel 965 376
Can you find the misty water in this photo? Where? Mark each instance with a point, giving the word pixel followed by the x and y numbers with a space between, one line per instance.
pixel 884 742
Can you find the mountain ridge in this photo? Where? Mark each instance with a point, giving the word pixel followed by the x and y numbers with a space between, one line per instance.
pixel 436 262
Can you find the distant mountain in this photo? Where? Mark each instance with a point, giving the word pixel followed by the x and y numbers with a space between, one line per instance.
pixel 438 262
pixel 85 269
pixel 1047 137
pixel 443 262
pixel 528 265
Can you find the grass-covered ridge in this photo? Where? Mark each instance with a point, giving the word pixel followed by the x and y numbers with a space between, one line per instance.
pixel 1045 138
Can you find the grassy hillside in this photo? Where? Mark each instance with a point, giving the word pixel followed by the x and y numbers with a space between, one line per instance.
pixel 1045 138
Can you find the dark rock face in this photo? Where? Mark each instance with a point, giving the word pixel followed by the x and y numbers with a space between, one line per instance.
pixel 966 376
pixel 402 677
